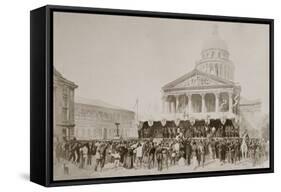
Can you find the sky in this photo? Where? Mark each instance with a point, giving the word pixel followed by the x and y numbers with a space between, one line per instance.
pixel 119 59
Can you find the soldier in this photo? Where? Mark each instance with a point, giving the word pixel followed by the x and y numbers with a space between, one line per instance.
pixel 98 160
pixel 188 151
pixel 222 151
pixel 203 152
pixel 213 148
pixel 199 151
pixel 151 155
pixel 159 157
pixel 228 151
pixel 165 151
pixel 139 153
pixel 194 153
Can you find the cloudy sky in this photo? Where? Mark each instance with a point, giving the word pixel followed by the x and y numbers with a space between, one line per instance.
pixel 118 59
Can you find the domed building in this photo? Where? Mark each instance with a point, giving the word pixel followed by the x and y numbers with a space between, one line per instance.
pixel 209 90
pixel 207 98
pixel 215 58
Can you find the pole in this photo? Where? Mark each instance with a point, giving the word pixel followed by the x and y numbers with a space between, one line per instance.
pixel 137 109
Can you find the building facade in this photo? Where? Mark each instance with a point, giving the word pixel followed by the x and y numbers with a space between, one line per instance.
pixel 63 105
pixel 209 90
pixel 252 119
pixel 97 120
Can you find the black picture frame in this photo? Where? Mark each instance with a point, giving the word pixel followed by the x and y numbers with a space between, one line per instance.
pixel 41 81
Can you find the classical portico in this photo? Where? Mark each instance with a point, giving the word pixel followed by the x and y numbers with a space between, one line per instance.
pixel 198 102
pixel 200 94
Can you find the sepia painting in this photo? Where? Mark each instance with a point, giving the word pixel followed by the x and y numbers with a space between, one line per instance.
pixel 149 96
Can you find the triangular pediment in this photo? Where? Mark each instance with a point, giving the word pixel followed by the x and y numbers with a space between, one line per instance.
pixel 197 79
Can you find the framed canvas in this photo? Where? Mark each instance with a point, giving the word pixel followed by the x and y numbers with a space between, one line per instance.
pixel 122 95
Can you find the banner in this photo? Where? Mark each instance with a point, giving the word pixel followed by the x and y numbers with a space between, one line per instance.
pixel 207 120
pixel 223 120
pixel 163 122
pixel 177 121
pixel 150 123
pixel 192 121
pixel 139 125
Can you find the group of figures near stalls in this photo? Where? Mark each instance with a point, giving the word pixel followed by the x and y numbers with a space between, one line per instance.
pixel 163 154
pixel 188 129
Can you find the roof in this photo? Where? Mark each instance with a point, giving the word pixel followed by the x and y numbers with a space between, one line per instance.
pixel 214 41
pixel 62 78
pixel 197 72
pixel 98 103
pixel 244 101
pixel 253 123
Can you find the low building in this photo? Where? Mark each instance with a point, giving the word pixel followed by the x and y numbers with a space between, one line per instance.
pixel 252 118
pixel 63 104
pixel 250 106
pixel 96 119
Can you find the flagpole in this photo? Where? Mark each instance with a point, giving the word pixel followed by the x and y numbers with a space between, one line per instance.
pixel 137 110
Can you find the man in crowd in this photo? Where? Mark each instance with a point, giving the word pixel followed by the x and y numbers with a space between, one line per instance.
pixel 139 154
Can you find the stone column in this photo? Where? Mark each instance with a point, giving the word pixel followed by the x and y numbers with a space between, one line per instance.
pixel 189 103
pixel 164 109
pixel 167 106
pixel 217 101
pixel 177 104
pixel 203 103
pixel 172 106
pixel 163 105
pixel 230 102
pixel 184 104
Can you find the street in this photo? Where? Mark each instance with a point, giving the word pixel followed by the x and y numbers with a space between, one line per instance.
pixel 110 171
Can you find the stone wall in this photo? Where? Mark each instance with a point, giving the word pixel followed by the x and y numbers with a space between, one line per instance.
pixel 96 122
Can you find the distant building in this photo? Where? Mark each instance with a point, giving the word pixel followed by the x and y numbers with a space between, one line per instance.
pixel 98 120
pixel 252 119
pixel 250 106
pixel 63 103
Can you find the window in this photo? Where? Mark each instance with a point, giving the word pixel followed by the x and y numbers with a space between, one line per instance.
pixel 65 103
pixel 83 133
pixel 64 114
pixel 65 108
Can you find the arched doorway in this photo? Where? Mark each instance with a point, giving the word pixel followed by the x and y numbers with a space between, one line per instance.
pixel 196 103
pixel 172 103
pixel 210 102
pixel 182 103
pixel 224 102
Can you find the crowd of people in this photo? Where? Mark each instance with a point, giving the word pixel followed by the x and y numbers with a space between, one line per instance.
pixel 161 154
pixel 189 131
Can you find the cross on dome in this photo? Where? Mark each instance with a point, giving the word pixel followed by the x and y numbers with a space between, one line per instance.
pixel 214 41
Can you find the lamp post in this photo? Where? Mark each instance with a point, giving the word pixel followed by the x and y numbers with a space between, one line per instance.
pixel 117 129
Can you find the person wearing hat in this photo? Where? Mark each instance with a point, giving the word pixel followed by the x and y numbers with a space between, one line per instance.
pixel 188 151
pixel 159 157
pixel 151 155
pixel 139 153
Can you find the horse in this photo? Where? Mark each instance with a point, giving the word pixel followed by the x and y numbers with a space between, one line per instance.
pixel 244 148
